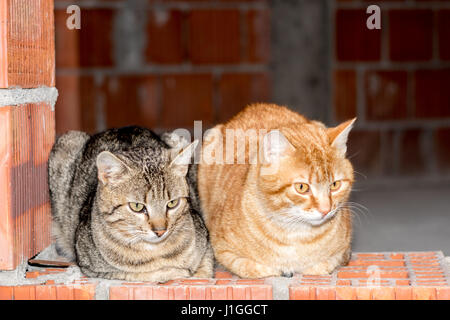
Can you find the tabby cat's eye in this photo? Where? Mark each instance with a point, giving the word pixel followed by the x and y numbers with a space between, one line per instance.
pixel 136 207
pixel 335 185
pixel 301 187
pixel 172 203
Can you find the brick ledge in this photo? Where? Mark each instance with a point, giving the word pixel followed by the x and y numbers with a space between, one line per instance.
pixel 385 275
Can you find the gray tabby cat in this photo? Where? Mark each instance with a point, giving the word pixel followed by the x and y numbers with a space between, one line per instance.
pixel 121 208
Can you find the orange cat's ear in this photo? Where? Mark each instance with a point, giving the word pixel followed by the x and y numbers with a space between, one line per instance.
pixel 339 135
pixel 181 160
pixel 110 169
pixel 275 146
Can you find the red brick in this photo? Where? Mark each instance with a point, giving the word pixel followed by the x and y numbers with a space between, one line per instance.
pixel 363 293
pixel 373 282
pixel 26 219
pixel 443 26
pixel 402 282
pixel 325 293
pixel 64 293
pixel 164 37
pixel 258 28
pixel 422 255
pixel 397 256
pixel 442 147
pixel 223 275
pixel 6 293
pixel 214 36
pixel 410 35
pixel 194 281
pixel 354 41
pixel 403 293
pixel 160 293
pixel 411 160
pixel 370 256
pixel 345 94
pixel 443 293
pixel 238 293
pixel 197 293
pixel 44 292
pixel 431 93
pixel 344 282
pixel 261 292
pixel 424 293
pixel 428 276
pixel 386 95
pixel 219 293
pixel 428 264
pixel 95 40
pixel 132 100
pixel 43 131
pixel 240 89
pixel 84 292
pixel 250 281
pixel 118 293
pixel 302 293
pixel 383 293
pixel 21 136
pixel 25 293
pixel 345 293
pixel 186 98
pixel 399 274
pixel 317 276
pixel 181 293
pixel 3 44
pixel 32 274
pixel 392 263
pixel 27 57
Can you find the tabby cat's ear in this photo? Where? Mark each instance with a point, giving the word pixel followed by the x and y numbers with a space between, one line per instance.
pixel 339 135
pixel 110 168
pixel 181 160
pixel 275 145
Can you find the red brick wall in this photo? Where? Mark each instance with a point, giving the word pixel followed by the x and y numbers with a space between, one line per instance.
pixel 201 61
pixel 396 81
pixel 27 130
pixel 205 60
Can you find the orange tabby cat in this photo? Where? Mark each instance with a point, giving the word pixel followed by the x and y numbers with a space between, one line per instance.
pixel 283 209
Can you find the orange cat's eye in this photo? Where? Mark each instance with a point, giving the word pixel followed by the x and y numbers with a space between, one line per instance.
pixel 335 185
pixel 301 187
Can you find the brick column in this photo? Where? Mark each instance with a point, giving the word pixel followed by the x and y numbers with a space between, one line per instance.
pixel 27 127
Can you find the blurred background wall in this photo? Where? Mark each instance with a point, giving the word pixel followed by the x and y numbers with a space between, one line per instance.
pixel 164 64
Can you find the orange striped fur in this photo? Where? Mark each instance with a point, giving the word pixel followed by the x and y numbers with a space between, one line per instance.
pixel 253 218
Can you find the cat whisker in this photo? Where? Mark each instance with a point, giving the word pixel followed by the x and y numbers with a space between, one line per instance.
pixel 361 174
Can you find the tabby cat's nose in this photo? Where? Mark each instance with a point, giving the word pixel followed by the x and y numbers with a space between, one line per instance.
pixel 159 233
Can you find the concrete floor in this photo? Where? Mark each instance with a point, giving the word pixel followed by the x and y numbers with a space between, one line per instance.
pixel 403 219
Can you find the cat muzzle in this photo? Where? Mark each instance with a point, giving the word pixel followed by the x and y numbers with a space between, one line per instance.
pixel 159 233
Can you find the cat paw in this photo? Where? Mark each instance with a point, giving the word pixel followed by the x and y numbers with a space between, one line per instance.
pixel 318 269
pixel 203 274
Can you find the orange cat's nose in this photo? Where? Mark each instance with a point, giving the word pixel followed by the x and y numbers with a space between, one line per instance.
pixel 324 211
pixel 159 233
